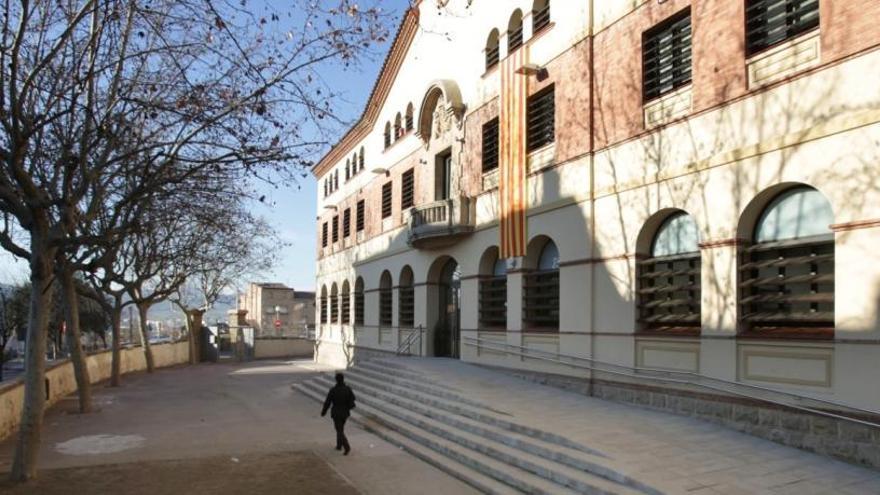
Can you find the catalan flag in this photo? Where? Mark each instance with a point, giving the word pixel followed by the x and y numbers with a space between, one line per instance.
pixel 513 157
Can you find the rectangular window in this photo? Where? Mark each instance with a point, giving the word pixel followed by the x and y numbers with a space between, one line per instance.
pixel 407 185
pixel 666 56
pixel 541 300
pixel 770 22
pixel 360 216
pixel 336 228
pixel 346 222
pixel 669 293
pixel 541 126
pixel 490 145
pixel 385 318
pixel 386 200
pixel 324 235
pixel 493 302
pixel 406 297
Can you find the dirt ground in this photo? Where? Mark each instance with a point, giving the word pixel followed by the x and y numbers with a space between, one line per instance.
pixel 252 474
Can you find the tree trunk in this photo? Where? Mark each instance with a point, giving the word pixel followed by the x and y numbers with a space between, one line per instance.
pixel 24 465
pixel 116 364
pixel 194 322
pixel 74 340
pixel 148 351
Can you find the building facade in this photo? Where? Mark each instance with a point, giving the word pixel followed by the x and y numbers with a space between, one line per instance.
pixel 702 192
pixel 266 303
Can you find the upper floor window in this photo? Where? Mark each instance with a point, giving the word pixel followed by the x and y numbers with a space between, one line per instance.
pixel 386 200
pixel 346 222
pixel 669 278
pixel 398 127
pixel 514 31
pixel 490 145
pixel 347 170
pixel 324 235
pixel 387 135
pixel 361 159
pixel 336 180
pixel 541 127
pixel 408 120
pixel 407 189
pixel 359 221
pixel 666 56
pixel 492 50
pixel 787 273
pixel 336 228
pixel 770 22
pixel 540 15
pixel 326 188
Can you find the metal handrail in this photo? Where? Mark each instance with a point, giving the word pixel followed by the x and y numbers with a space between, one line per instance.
pixel 408 342
pixel 687 378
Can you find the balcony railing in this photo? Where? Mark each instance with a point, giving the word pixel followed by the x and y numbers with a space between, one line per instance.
pixel 440 223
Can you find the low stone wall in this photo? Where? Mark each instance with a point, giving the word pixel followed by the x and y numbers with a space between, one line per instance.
pixel 61 381
pixel 277 347
pixel 845 440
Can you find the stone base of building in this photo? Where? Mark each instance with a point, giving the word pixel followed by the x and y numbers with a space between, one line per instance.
pixel 845 440
pixel 344 355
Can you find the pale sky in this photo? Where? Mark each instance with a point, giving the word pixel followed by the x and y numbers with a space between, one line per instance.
pixel 290 211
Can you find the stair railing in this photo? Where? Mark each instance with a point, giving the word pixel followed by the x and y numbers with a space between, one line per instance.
pixel 405 347
pixel 769 395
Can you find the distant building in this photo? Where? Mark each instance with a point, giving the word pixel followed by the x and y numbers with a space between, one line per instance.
pixel 269 301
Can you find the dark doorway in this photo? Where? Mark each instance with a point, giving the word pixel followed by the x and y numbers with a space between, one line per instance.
pixel 443 175
pixel 447 336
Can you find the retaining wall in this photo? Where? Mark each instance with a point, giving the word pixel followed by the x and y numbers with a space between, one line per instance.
pixel 276 347
pixel 61 380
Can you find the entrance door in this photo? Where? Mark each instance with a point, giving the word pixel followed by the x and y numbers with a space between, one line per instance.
pixel 447 338
pixel 443 176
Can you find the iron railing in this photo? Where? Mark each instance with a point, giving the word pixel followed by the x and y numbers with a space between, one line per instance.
pixel 405 347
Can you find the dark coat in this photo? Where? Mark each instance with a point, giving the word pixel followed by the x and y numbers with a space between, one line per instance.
pixel 341 398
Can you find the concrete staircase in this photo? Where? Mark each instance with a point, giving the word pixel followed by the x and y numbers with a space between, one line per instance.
pixel 470 440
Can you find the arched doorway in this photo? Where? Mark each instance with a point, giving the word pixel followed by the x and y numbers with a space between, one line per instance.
pixel 446 300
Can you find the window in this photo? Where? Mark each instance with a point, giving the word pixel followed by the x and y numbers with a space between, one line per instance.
pixel 326 188
pixel 398 127
pixel 345 296
pixel 346 223
pixel 324 304
pixel 409 117
pixel 386 200
pixel 490 145
pixel 666 56
pixel 540 125
pixel 514 32
pixel 787 273
pixel 359 302
pixel 493 295
pixel 387 135
pixel 324 235
pixel 336 180
pixel 669 279
pixel 347 170
pixel 407 185
pixel 406 298
pixel 540 15
pixel 336 228
pixel 361 159
pixel 360 216
pixel 541 295
pixel 770 22
pixel 385 318
pixel 334 304
pixel 492 50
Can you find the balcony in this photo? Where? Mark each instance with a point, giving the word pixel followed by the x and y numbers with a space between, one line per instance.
pixel 441 223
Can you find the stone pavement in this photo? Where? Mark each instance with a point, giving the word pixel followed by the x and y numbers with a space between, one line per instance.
pixel 225 415
pixel 672 453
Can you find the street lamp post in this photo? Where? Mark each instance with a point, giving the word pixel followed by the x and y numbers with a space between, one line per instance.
pixel 277 320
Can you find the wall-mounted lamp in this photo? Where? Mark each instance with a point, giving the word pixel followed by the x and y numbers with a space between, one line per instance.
pixel 423 161
pixel 380 171
pixel 330 207
pixel 529 69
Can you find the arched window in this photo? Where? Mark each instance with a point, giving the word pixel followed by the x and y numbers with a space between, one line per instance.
pixel 493 290
pixel 334 304
pixel 361 159
pixel 787 273
pixel 323 308
pixel 540 15
pixel 336 180
pixel 387 135
pixel 346 303
pixel 405 299
pixel 668 292
pixel 492 50
pixel 541 284
pixel 385 304
pixel 354 164
pixel 514 31
pixel 408 121
pixel 398 127
pixel 359 301
pixel 347 169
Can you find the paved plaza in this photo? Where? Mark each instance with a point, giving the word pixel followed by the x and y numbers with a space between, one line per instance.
pixel 240 428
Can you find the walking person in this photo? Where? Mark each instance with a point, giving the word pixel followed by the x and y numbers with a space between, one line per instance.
pixel 340 401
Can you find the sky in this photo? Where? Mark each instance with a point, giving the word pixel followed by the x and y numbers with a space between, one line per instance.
pixel 292 211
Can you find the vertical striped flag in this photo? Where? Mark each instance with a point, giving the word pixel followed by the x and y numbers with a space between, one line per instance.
pixel 512 179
